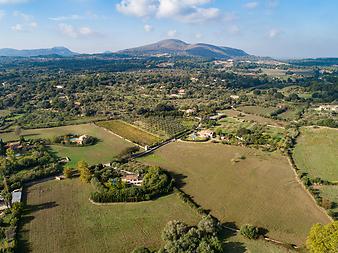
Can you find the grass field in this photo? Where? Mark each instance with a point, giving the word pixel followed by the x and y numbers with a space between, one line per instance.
pixel 129 132
pixel 261 189
pixel 316 153
pixel 259 110
pixel 330 192
pixel 108 146
pixel 60 218
pixel 253 117
pixel 60 215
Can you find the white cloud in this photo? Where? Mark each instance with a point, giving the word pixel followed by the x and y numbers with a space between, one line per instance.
pixel 27 22
pixel 70 17
pixel 148 28
pixel 172 33
pixel 139 8
pixel 17 28
pixel 230 16
pixel 251 5
pixel 273 33
pixel 74 32
pixel 13 1
pixel 189 11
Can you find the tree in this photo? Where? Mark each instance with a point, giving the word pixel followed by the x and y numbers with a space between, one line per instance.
pixel 209 225
pixel 5 192
pixel 174 230
pixel 84 171
pixel 67 172
pixel 18 131
pixel 249 231
pixel 11 156
pixel 323 238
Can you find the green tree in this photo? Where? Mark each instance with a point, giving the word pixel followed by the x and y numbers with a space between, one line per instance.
pixel 84 171
pixel 11 156
pixel 323 238
pixel 174 230
pixel 141 250
pixel 67 172
pixel 209 225
pixel 249 231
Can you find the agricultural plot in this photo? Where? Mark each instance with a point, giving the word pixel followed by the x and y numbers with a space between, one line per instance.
pixel 105 150
pixel 166 127
pixel 316 153
pixel 260 188
pixel 259 110
pixel 253 117
pixel 130 132
pixel 60 215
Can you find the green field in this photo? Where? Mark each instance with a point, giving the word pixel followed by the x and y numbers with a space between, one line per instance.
pixel 130 132
pixel 316 153
pixel 60 218
pixel 59 215
pixel 108 146
pixel 260 189
pixel 253 117
pixel 259 110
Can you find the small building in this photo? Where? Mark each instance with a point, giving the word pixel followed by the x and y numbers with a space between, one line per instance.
pixel 132 179
pixel 235 97
pixel 59 178
pixel 16 196
pixel 205 133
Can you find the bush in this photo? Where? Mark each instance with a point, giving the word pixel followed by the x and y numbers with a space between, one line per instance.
pixel 249 231
pixel 67 172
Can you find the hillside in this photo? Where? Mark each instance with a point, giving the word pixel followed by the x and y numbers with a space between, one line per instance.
pixel 61 51
pixel 178 47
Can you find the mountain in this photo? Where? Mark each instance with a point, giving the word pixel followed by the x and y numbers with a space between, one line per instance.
pixel 61 51
pixel 178 47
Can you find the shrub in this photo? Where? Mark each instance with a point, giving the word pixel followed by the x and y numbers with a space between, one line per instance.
pixel 141 250
pixel 249 231
pixel 67 172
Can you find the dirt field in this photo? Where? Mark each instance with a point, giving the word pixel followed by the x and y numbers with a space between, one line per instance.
pixel 108 146
pixel 60 218
pixel 261 189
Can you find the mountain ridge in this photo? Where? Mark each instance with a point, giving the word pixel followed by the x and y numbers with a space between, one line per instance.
pixel 61 51
pixel 179 47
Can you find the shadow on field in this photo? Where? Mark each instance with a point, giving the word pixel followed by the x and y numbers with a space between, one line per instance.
pixel 234 247
pixel 179 179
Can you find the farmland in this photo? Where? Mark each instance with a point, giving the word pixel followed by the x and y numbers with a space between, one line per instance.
pixel 60 215
pixel 260 189
pixel 316 153
pixel 253 117
pixel 259 110
pixel 130 132
pixel 108 146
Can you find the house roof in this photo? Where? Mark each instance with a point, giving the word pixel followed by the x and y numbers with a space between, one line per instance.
pixel 131 177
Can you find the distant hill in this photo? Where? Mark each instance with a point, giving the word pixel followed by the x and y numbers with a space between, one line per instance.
pixel 60 51
pixel 178 47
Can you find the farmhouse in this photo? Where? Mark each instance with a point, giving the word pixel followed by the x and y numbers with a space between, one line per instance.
pixel 132 179
pixel 205 133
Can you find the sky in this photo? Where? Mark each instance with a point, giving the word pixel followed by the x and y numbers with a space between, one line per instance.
pixel 276 28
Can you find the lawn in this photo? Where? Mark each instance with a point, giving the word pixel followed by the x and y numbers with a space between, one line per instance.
pixel 108 146
pixel 60 218
pixel 261 189
pixel 130 132
pixel 316 153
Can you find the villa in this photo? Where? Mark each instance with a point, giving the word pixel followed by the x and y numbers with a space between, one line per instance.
pixel 132 179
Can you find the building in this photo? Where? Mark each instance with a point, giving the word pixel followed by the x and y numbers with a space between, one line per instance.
pixel 132 179
pixel 16 196
pixel 333 108
pixel 205 133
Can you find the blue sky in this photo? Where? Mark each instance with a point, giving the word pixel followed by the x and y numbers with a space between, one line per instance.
pixel 278 28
